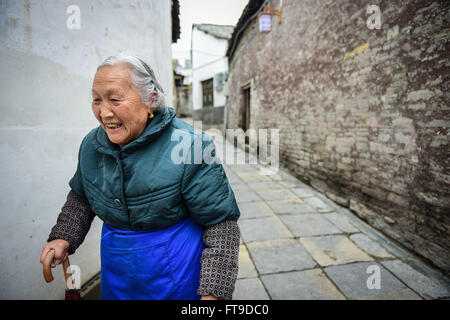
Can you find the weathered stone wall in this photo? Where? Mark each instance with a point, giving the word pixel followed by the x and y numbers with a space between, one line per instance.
pixel 209 116
pixel 184 101
pixel 363 114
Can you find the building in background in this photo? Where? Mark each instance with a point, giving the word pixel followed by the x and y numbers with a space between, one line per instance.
pixel 49 54
pixel 209 71
pixel 362 109
pixel 183 87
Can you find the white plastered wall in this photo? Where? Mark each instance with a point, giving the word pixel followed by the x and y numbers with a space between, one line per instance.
pixel 45 82
pixel 208 59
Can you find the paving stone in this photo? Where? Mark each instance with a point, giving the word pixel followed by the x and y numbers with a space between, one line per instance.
pixel 305 225
pixel 280 255
pixel 256 209
pixel 301 285
pixel 333 250
pixel 425 286
pixel 257 186
pixel 276 194
pixel 238 187
pixel 355 279
pixel 252 177
pixel 242 167
pixel 250 289
pixel 268 171
pixel 276 177
pixel 318 204
pixel 302 192
pixel 261 229
pixel 342 222
pixel 246 196
pixel 288 184
pixel 230 173
pixel 371 247
pixel 246 266
pixel 232 177
pixel 295 206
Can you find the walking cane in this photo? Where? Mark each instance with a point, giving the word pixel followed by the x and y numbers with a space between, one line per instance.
pixel 71 292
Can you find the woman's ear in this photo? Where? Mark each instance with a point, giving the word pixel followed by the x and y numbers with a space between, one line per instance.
pixel 154 96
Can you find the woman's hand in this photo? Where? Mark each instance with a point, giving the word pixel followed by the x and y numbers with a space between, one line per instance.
pixel 210 297
pixel 61 248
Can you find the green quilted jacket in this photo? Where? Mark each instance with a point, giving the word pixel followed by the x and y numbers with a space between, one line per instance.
pixel 169 172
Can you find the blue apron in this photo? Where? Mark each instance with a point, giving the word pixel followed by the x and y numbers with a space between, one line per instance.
pixel 158 264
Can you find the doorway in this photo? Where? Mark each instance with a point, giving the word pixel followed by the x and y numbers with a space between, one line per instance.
pixel 245 114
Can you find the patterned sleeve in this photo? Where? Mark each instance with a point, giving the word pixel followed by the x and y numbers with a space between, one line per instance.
pixel 73 222
pixel 219 263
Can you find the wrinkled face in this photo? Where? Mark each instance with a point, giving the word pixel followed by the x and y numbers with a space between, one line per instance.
pixel 117 104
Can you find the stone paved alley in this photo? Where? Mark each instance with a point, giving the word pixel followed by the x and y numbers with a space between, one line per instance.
pixel 297 244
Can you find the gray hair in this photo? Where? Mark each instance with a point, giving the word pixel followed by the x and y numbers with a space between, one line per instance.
pixel 143 78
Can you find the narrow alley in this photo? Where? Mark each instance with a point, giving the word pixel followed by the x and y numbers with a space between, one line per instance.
pixel 297 244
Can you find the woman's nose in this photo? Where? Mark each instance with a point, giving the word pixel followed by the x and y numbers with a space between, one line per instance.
pixel 105 111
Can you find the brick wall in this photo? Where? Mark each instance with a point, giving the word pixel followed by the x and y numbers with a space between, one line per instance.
pixel 363 114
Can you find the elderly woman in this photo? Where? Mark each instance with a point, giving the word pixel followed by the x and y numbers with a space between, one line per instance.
pixel 170 229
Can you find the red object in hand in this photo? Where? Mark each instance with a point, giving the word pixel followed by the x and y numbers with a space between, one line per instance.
pixel 73 294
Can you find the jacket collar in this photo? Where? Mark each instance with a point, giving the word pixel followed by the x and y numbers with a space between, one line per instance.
pixel 158 123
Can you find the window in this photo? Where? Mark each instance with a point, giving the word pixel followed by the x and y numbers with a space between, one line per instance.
pixel 208 93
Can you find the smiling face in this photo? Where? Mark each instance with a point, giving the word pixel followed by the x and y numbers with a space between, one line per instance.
pixel 117 104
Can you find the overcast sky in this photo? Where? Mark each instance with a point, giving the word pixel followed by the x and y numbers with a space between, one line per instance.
pixel 204 11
